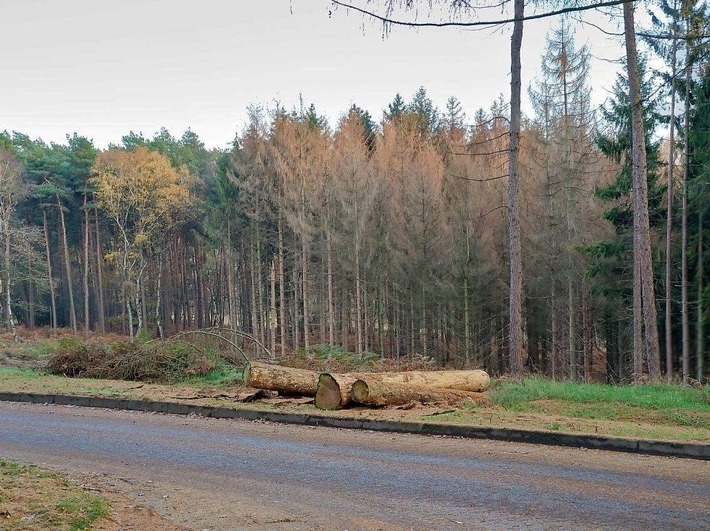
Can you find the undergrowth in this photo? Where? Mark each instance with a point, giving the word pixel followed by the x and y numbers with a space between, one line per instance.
pixel 154 361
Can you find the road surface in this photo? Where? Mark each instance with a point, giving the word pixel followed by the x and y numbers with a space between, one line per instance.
pixel 229 474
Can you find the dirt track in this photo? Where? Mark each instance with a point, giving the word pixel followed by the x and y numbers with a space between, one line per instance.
pixel 218 474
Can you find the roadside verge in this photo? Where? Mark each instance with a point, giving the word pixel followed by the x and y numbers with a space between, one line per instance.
pixel 615 444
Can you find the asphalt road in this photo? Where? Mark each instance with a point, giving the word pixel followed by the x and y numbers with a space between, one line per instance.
pixel 227 474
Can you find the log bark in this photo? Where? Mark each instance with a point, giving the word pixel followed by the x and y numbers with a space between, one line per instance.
pixel 286 380
pixel 473 380
pixel 376 393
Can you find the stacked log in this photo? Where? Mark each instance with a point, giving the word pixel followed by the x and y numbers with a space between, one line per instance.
pixel 374 393
pixel 334 391
pixel 286 380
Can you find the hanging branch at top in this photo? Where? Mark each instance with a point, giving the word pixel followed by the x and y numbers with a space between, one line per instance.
pixel 389 21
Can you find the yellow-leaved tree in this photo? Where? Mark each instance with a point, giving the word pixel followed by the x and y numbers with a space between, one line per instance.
pixel 148 199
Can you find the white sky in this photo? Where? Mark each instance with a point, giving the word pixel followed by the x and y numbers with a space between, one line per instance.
pixel 103 68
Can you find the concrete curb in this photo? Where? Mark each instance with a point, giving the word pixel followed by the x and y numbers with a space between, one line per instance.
pixel 614 444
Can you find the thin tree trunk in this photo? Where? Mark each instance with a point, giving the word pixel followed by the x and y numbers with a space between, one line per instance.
pixel 331 309
pixel 306 324
pixel 282 288
pixel 67 263
pixel 254 308
pixel 700 337
pixel 273 325
pixel 87 317
pixel 516 269
pixel 587 337
pixel 638 320
pixel 100 275
pixel 570 329
pixel 231 298
pixel 158 288
pixel 685 313
pixel 260 288
pixel 199 295
pixel 8 297
pixel 31 293
pixel 52 296
pixel 358 303
pixel 344 319
pixel 669 213
pixel 296 310
pixel 642 250
pixel 553 355
pixel 467 323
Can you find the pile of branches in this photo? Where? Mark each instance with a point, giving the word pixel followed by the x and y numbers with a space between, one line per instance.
pixel 150 361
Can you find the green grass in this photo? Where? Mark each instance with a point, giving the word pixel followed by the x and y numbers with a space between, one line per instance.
pixel 672 405
pixel 25 373
pixel 83 509
pixel 34 498
pixel 517 396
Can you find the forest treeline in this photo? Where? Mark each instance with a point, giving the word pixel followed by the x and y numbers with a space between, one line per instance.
pixel 385 238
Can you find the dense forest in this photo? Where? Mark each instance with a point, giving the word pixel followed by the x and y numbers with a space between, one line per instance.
pixel 386 237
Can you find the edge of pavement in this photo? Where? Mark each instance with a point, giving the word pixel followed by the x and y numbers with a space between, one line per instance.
pixel 615 444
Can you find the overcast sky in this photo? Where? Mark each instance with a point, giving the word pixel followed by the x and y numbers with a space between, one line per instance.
pixel 103 68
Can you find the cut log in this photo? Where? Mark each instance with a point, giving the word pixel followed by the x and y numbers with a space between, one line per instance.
pixel 333 391
pixel 327 387
pixel 286 380
pixel 473 380
pixel 376 393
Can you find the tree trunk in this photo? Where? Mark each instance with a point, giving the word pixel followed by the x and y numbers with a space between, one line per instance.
pixel 231 299
pixel 158 292
pixel 87 318
pixel 467 323
pixel 304 280
pixel 553 311
pixel 31 294
pixel 516 268
pixel 273 325
pixel 571 335
pixel 8 297
pixel 52 296
pixel 331 309
pixel 685 312
pixel 377 393
pixel 254 309
pixel 669 212
pixel 587 337
pixel 282 288
pixel 67 264
pixel 700 337
pixel 100 275
pixel 642 249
